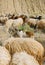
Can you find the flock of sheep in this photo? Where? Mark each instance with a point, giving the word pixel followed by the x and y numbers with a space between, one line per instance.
pixel 12 22
pixel 17 50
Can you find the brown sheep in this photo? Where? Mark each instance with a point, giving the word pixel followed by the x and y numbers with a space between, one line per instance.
pixel 41 24
pixel 25 44
pixel 30 34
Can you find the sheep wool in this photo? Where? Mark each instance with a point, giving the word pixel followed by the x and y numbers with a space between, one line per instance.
pixel 4 56
pixel 32 21
pixel 29 45
pixel 8 24
pixel 41 24
pixel 18 22
pixel 23 58
pixel 15 23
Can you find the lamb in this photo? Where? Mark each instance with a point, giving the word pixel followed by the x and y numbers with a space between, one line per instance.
pixel 23 58
pixel 4 56
pixel 25 44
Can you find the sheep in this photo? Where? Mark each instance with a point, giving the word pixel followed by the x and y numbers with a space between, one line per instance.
pixel 31 22
pixel 21 31
pixel 3 20
pixel 21 16
pixel 11 16
pixel 15 23
pixel 41 24
pixel 36 17
pixel 23 58
pixel 30 34
pixel 28 44
pixel 8 24
pixel 21 34
pixel 3 34
pixel 16 33
pixel 4 56
pixel 18 22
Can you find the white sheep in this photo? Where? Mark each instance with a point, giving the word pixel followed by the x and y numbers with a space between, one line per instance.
pixel 23 58
pixel 21 34
pixel 18 22
pixel 25 44
pixel 31 21
pixel 4 56
pixel 15 23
